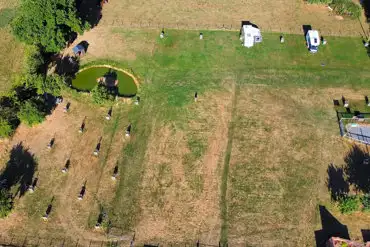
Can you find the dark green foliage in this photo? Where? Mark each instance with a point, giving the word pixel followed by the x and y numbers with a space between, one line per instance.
pixel 47 23
pixel 5 128
pixel 8 116
pixel 349 204
pixel 6 203
pixel 101 95
pixel 34 60
pixel 365 200
pixel 53 84
pixel 30 114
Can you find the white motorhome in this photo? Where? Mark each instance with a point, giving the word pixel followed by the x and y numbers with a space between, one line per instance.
pixel 250 35
pixel 313 40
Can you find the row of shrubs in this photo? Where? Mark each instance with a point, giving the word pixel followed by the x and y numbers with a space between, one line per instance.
pixel 342 7
pixel 352 203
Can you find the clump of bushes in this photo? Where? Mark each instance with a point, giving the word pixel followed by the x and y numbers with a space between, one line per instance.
pixel 352 203
pixel 342 7
pixel 365 200
pixel 6 203
pixel 101 94
pixel 30 114
pixel 349 204
pixel 346 7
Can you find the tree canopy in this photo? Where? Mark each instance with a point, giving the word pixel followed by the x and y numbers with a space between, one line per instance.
pixel 30 114
pixel 6 203
pixel 47 23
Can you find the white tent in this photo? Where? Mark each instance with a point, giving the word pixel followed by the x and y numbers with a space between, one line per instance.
pixel 250 35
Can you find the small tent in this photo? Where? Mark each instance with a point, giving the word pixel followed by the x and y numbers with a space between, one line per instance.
pixel 250 34
pixel 79 50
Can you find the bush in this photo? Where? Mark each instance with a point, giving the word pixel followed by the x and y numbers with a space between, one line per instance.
pixel 6 203
pixel 5 128
pixel 53 84
pixel 346 7
pixel 365 200
pixel 349 204
pixel 34 60
pixel 101 95
pixel 30 114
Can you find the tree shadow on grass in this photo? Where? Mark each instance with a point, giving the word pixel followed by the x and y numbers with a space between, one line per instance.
pixel 90 11
pixel 366 5
pixel 19 170
pixel 336 182
pixel 67 66
pixel 8 111
pixel 331 227
pixel 357 169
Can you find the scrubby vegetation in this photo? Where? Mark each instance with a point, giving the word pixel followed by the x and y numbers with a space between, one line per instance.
pixel 100 94
pixel 6 203
pixel 349 204
pixel 341 7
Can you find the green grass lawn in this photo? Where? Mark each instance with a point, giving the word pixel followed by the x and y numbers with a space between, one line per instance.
pixel 181 64
pixel 282 133
pixel 87 79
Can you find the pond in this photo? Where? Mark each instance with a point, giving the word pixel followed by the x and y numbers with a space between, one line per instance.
pixel 87 79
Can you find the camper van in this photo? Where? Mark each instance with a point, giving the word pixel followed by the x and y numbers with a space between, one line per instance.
pixel 313 40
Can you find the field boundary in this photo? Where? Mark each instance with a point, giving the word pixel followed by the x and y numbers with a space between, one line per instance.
pixel 222 27
pixel 344 122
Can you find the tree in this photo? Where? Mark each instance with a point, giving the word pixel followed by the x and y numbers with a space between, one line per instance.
pixel 53 84
pixel 100 94
pixel 6 203
pixel 30 114
pixel 47 23
pixel 5 128
pixel 34 60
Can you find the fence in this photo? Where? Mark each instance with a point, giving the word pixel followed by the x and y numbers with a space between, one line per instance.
pixel 355 126
pixel 34 241
pixel 234 26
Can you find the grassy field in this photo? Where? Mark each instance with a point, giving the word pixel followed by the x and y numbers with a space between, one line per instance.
pixel 286 16
pixel 246 163
pixel 87 79
pixel 11 51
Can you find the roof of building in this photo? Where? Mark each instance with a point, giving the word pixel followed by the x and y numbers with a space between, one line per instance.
pixel 314 37
pixel 250 32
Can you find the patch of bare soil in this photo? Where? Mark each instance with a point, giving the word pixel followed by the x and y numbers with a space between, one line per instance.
pixel 172 210
pixel 105 43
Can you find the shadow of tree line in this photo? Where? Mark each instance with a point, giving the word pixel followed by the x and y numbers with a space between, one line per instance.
pixel 354 173
pixel 19 171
